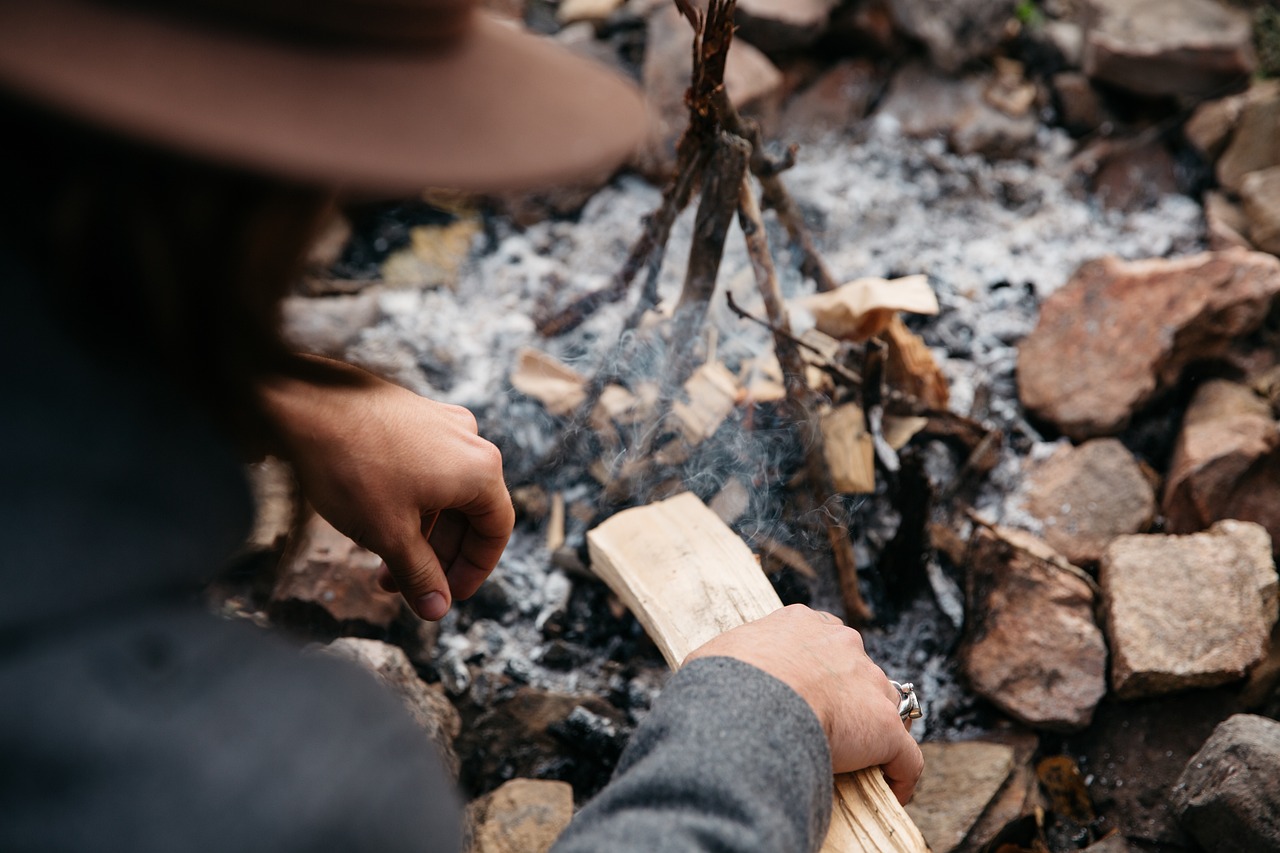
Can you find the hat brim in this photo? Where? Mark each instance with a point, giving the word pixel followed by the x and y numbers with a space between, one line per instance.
pixel 501 109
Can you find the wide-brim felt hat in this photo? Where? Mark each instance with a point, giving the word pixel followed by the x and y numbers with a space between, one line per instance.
pixel 373 95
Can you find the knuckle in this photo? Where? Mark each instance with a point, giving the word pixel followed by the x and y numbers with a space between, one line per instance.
pixel 465 417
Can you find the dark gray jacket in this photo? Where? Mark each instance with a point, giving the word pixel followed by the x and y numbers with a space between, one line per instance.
pixel 132 720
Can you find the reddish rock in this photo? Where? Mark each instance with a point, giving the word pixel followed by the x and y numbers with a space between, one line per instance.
pixel 1033 648
pixel 1225 222
pixel 1226 463
pixel 1135 177
pixel 428 705
pixel 781 25
pixel 1187 611
pixel 955 32
pixel 1168 47
pixel 1119 333
pixel 750 80
pixel 329 572
pixel 835 101
pixel 1088 495
pixel 1227 797
pixel 1260 193
pixel 522 816
pixel 1080 109
pixel 1210 127
pixel 1254 143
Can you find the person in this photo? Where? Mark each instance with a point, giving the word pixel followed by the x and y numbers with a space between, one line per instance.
pixel 167 166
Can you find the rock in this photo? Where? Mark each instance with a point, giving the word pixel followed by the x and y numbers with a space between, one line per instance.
pixel 1227 798
pixel 522 816
pixel 1067 40
pixel 959 780
pixel 1211 125
pixel 1184 48
pixel 1020 796
pixel 955 32
pixel 328 577
pixel 1260 193
pixel 837 100
pixel 1032 648
pixel 543 735
pixel 1226 463
pixel 1088 495
pixel 428 705
pixel 1119 333
pixel 1254 144
pixel 1225 222
pixel 1080 109
pixel 782 25
pixel 1111 844
pixel 1135 177
pixel 749 78
pixel 1187 611
pixel 924 103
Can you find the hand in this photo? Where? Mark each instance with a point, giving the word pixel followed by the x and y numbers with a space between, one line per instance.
pixel 822 660
pixel 403 476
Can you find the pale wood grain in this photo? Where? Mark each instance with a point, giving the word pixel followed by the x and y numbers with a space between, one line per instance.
pixel 687 577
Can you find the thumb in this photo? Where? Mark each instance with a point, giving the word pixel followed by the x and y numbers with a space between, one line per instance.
pixel 419 577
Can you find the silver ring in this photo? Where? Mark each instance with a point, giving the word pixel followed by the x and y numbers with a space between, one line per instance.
pixel 909 704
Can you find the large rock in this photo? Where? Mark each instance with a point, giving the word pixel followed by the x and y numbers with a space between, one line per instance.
pixel 959 781
pixel 1226 463
pixel 428 705
pixel 1227 798
pixel 1088 495
pixel 329 577
pixel 955 32
pixel 1033 648
pixel 1119 333
pixel 1226 222
pixel 781 25
pixel 1187 611
pixel 1260 192
pixel 522 816
pixel 1254 143
pixel 924 103
pixel 1168 47
pixel 749 78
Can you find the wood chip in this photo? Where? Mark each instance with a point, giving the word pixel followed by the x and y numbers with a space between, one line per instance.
pixel 712 393
pixel 900 430
pixel 732 501
pixel 910 366
pixel 850 450
pixel 861 309
pixel 555 523
pixel 555 385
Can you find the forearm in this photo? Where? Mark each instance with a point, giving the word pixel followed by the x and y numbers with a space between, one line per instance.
pixel 730 759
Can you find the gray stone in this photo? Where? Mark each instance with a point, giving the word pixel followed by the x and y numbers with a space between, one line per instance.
pixel 1260 192
pixel 1227 798
pixel 1119 333
pixel 959 781
pixel 1086 496
pixel 1033 648
pixel 428 705
pixel 1187 611
pixel 955 32
pixel 1168 47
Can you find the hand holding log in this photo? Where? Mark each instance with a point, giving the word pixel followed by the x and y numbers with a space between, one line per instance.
pixel 689 579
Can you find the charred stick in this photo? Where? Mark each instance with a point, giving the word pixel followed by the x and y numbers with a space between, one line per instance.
pixel 836 370
pixel 803 402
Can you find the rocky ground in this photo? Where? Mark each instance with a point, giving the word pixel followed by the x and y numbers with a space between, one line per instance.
pixel 1093 191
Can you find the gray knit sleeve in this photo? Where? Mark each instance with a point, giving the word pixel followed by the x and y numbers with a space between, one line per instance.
pixel 729 760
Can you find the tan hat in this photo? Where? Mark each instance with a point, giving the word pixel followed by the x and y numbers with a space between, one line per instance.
pixel 382 95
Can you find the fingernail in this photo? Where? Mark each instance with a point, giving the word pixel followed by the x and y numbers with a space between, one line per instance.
pixel 432 606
